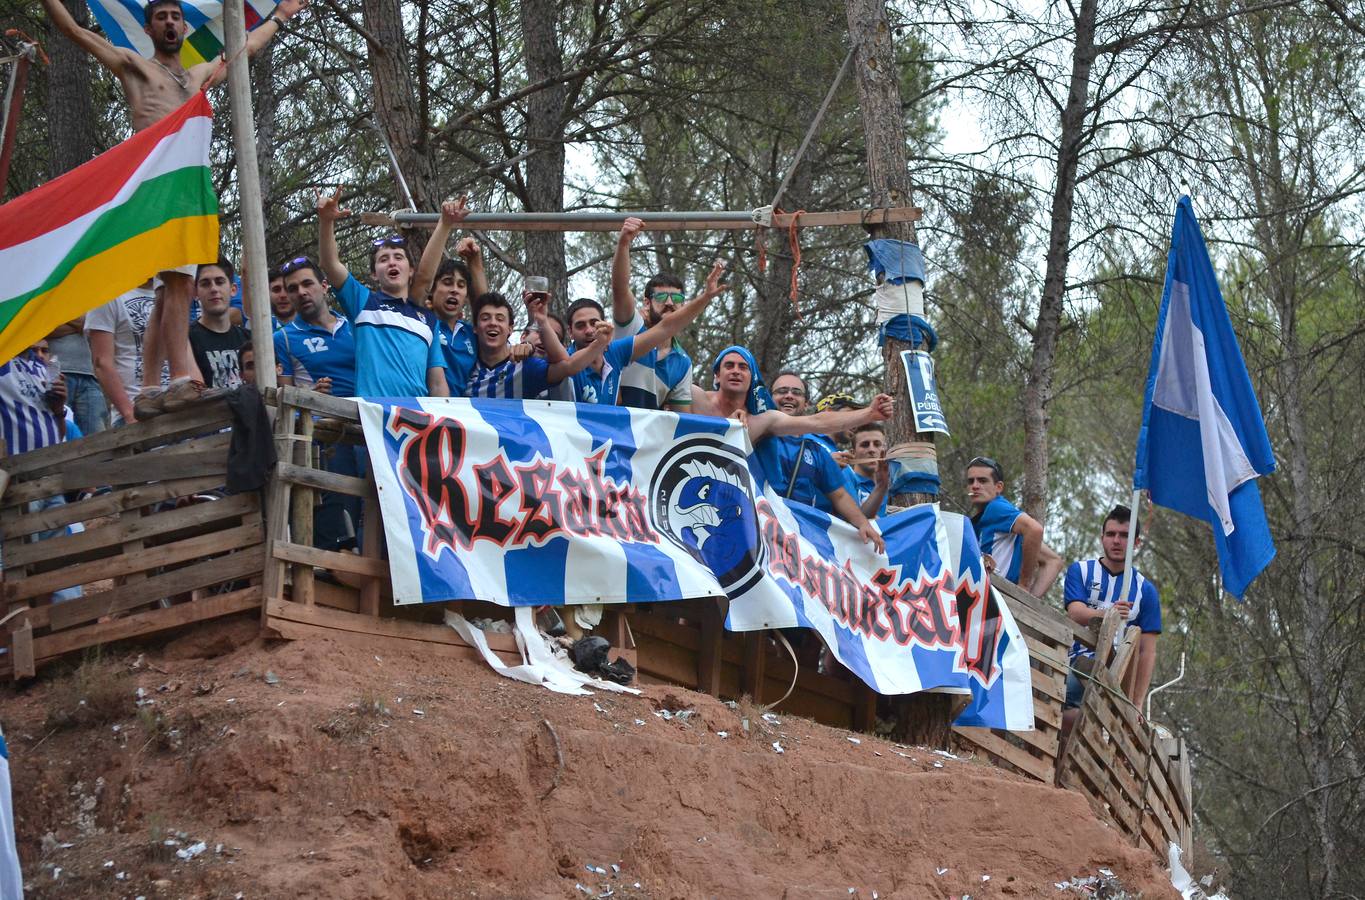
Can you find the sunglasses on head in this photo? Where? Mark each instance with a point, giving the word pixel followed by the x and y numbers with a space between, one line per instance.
pixel 298 262
pixel 393 240
pixel 983 461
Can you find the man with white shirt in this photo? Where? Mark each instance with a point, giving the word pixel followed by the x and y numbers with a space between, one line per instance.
pixel 115 332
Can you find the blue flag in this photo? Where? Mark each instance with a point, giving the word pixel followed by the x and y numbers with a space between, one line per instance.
pixel 1203 441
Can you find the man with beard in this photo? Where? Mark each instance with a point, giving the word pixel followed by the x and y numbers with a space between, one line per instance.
pixel 662 378
pixel 316 349
pixel 155 88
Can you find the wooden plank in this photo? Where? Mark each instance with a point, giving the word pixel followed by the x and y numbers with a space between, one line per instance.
pixel 302 502
pixel 336 407
pixel 322 480
pixel 230 567
pixel 144 468
pixel 1104 644
pixel 18 495
pixel 152 557
pixel 277 494
pixel 147 623
pixel 337 596
pixel 1127 791
pixel 987 740
pixel 709 652
pixel 1049 623
pixel 106 505
pixel 132 528
pixel 372 528
pixel 165 429
pixel 377 643
pixel 330 559
pixel 1052 657
pixel 21 651
pixel 1051 685
pixel 359 623
pixel 755 659
pixel 1044 740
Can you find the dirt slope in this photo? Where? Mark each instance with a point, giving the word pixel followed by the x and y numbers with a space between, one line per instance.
pixel 328 782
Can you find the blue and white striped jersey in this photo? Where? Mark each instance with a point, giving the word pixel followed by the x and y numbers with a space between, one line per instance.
pixel 509 380
pixel 395 342
pixel 1089 582
pixel 25 421
pixel 652 381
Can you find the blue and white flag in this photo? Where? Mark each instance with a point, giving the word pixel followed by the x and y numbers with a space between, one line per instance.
pixel 1203 441
pixel 532 502
pixel 11 876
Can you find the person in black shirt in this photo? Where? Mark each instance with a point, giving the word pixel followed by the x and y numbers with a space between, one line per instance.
pixel 214 339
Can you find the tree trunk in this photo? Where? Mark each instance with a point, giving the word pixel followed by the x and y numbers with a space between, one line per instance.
pixel 71 128
pixel 265 103
pixel 1038 387
pixel 395 103
pixel 919 718
pixel 775 315
pixel 545 140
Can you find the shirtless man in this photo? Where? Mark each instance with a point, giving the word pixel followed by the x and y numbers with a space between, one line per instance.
pixel 155 88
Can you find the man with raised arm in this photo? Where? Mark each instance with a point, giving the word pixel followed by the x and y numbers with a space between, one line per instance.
pixel 397 352
pixel 662 378
pixel 1012 540
pixel 740 393
pixel 155 88
pixel 600 382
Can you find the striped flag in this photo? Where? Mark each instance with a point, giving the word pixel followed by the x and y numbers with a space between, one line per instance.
pixel 1203 442
pixel 145 206
pixel 530 502
pixel 122 22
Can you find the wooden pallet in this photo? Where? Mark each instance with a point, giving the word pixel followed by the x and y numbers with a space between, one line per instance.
pixel 172 561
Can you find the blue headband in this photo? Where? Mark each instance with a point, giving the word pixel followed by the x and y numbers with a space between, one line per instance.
pixel 758 400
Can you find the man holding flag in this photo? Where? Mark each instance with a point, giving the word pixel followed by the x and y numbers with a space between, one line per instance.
pixel 156 87
pixel 1203 441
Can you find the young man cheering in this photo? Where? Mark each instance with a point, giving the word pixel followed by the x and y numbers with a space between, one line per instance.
pixel 397 350
pixel 316 349
pixel 498 375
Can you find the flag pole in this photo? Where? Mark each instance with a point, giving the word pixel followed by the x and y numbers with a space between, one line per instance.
pixel 254 281
pixel 1133 519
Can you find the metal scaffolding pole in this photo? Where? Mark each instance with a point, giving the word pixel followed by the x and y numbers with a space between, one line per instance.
pixel 724 220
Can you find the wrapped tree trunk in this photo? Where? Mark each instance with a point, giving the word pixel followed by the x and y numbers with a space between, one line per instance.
pixel 395 103
pixel 919 718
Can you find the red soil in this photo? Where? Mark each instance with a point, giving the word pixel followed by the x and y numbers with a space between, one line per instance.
pixel 311 793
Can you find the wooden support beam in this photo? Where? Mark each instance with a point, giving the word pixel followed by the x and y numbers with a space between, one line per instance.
pixel 727 220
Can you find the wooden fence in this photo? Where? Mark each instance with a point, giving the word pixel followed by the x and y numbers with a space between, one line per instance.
pixel 168 561
pixel 1130 773
pixel 155 554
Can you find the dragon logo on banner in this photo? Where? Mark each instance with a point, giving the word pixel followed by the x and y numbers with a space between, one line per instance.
pixel 703 500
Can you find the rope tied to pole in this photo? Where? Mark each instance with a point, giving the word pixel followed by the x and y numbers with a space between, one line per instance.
pixel 795 243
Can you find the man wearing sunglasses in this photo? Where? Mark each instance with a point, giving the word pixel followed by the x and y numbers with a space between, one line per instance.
pixel 662 378
pixel 396 348
pixel 1011 540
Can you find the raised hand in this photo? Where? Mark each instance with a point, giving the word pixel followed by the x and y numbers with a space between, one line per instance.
pixel 453 212
pixel 881 409
pixel 714 285
pixel 535 304
pixel 288 9
pixel 467 248
pixel 602 336
pixel 630 228
pixel 330 208
pixel 882 477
